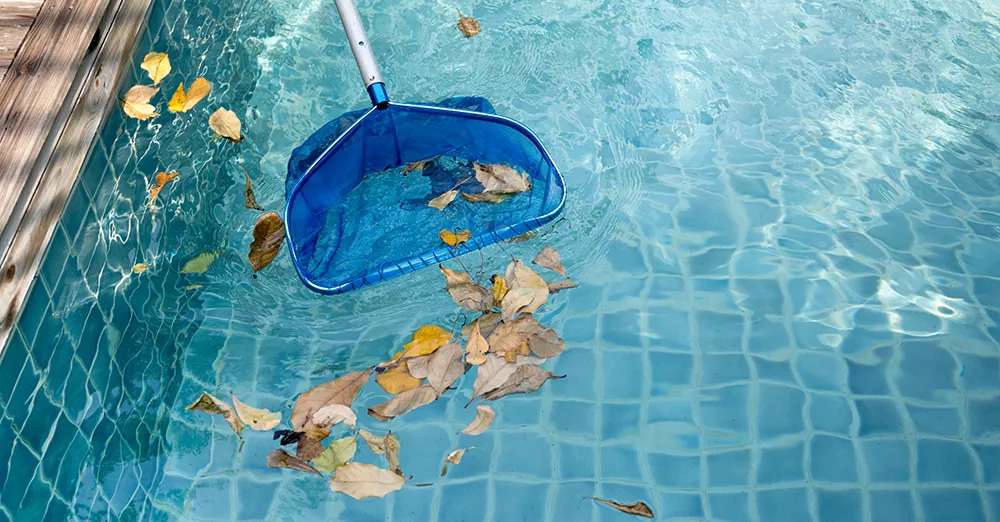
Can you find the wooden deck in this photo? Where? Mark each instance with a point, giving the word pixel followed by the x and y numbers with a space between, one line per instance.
pixel 16 17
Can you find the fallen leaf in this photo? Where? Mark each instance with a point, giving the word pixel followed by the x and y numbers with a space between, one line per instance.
pixel 139 268
pixel 491 375
pixel 455 457
pixel 550 259
pixel 507 340
pixel 192 287
pixel 341 390
pixel 280 458
pixel 543 342
pixel 556 286
pixel 157 65
pixel 417 165
pixel 468 25
pixel 200 263
pixel 251 199
pixel 527 290
pixel 364 480
pixel 482 422
pixel 639 509
pixel 443 200
pixel 521 238
pixel 161 180
pixel 136 102
pixel 310 445
pixel 403 403
pixel 225 123
pixel 397 379
pixel 454 238
pixel 501 178
pixel 288 436
pixel 546 344
pixel 338 453
pixel 185 101
pixel 487 323
pixel 418 366
pixel 476 348
pixel 466 294
pixel 376 444
pixel 332 414
pixel 268 234
pixel 525 379
pixel 488 197
pixel 445 367
pixel 499 287
pixel 425 341
pixel 391 444
pixel 258 419
pixel 209 404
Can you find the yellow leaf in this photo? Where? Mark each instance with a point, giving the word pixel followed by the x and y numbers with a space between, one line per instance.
pixel 139 268
pixel 225 123
pixel 268 235
pixel 499 287
pixel 199 264
pixel 454 238
pixel 468 25
pixel 426 340
pixel 258 419
pixel 183 102
pixel 161 180
pixel 136 102
pixel 192 287
pixel 398 380
pixel 177 100
pixel 157 65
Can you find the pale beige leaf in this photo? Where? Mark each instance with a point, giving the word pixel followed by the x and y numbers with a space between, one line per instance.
pixel 488 197
pixel 482 422
pixel 403 403
pixel 445 367
pixel 209 404
pixel 282 459
pixel 550 259
pixel 491 375
pixel 452 277
pixel 418 366
pixel 225 123
pixel 364 480
pixel 517 299
pixel 341 390
pixel 455 457
pixel 136 102
pixel 157 65
pixel 501 178
pixel 258 419
pixel 509 341
pixel 526 379
pixel 470 296
pixel 519 277
pixel 339 452
pixel 375 443
pixel 392 447
pixel 565 284
pixel 487 323
pixel 476 348
pixel 639 509
pixel 443 200
pixel 333 414
pixel 139 268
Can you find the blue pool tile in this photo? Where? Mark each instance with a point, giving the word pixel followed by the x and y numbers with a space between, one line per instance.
pixel 869 379
pixel 777 371
pixel 580 365
pixel 830 413
pixel 951 505
pixel 821 371
pixel 670 410
pixel 779 410
pixel 12 360
pixel 578 330
pixel 760 296
pixel 526 454
pixel 532 499
pixel 620 462
pixel 686 506
pixel 22 468
pixel 21 398
pixel 576 461
pixel 878 417
pixel 839 506
pixel 669 328
pixel 984 416
pixel 719 333
pixel 624 374
pixel 944 461
pixel 935 421
pixel 35 310
pixel 76 210
pixel 767 336
pixel 723 369
pixel 36 498
pixel 927 372
pixel 729 468
pixel 725 409
pixel 7 437
pixel 76 455
pixel 627 290
pixel 783 505
pixel 74 396
pixel 62 436
pixel 670 371
pixel 833 459
pixel 409 504
pixel 887 460
pixel 211 499
pixel 60 365
pixel 989 457
pixel 620 421
pixel 675 471
pixel 979 373
pixel 519 411
pixel 571 500
pixel 665 287
pixel 55 257
pixel 781 464
pixel 622 328
pixel 576 418
pixel 57 511
pixel 730 507
pixel 463 502
pixel 891 506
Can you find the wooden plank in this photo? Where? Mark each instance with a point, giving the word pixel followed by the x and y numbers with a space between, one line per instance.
pixel 16 18
pixel 75 138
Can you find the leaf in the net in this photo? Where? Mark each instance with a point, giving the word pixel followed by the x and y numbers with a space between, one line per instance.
pixel 550 259
pixel 488 197
pixel 268 235
pixel 162 179
pixel 341 390
pixel 639 509
pixel 445 367
pixel 392 447
pixel 491 375
pixel 501 178
pixel 565 284
pixel 451 238
pixel 209 404
pixel 258 419
pixel 398 379
pixel 157 65
pixel 333 414
pixel 375 443
pixel 482 422
pixel 443 200
pixel 403 403
pixel 338 453
pixel 248 195
pixel 468 25
pixel 364 480
pixel 136 102
pixel 526 379
pixel 417 165
pixel 225 123
pixel 280 458
pixel 477 347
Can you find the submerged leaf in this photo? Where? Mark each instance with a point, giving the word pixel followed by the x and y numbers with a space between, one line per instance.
pixel 185 101
pixel 139 268
pixel 157 65
pixel 417 165
pixel 528 291
pixel 487 323
pixel 251 199
pixel 556 286
pixel 403 403
pixel 333 414
pixel 258 419
pixel 639 509
pixel 491 375
pixel 161 180
pixel 445 367
pixel 476 348
pixel 341 390
pixel 136 102
pixel 225 123
pixel 280 458
pixel 526 379
pixel 338 453
pixel 268 235
pixel 454 238
pixel 501 178
pixel 209 404
pixel 443 200
pixel 468 25
pixel 364 480
pixel 550 259
pixel 466 294
pixel 488 197
pixel 397 379
pixel 482 422
pixel 192 287
pixel 391 444
pixel 376 444
pixel 200 263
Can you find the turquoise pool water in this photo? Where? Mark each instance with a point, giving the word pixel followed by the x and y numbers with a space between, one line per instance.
pixel 785 217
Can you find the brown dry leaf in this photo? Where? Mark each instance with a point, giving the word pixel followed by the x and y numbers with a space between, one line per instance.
pixel 468 25
pixel 455 457
pixel 454 238
pixel 392 447
pixel 466 294
pixel 488 197
pixel 161 180
pixel 482 422
pixel 251 199
pixel 136 102
pixel 225 123
pixel 209 404
pixel 341 390
pixel 268 235
pixel 398 379
pixel 338 453
pixel 565 284
pixel 185 101
pixel 157 65
pixel 543 342
pixel 487 323
pixel 200 263
pixel 501 178
pixel 521 238
pixel 403 403
pixel 376 444
pixel 417 165
pixel 491 375
pixel 364 480
pixel 333 414
pixel 507 340
pixel 550 259
pixel 527 290
pixel 280 458
pixel 445 367
pixel 139 268
pixel 310 445
pixel 418 365
pixel 443 200
pixel 639 509
pixel 258 419
pixel 476 348
pixel 525 379
pixel 499 287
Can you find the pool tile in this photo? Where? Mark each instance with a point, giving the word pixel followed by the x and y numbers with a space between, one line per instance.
pixel 725 409
pixel 669 372
pixel 675 471
pixel 728 469
pixel 891 506
pixel 463 502
pixel 730 507
pixel 413 504
pixel 532 499
pixel 719 333
pixel 571 500
pixel 620 421
pixel 821 371
pixel 776 371
pixel 833 459
pixel 779 410
pixel 55 451
pixel 526 454
pixel 767 336
pixel 948 504
pixel 878 417
pixel 624 375
pixel 723 369
pixel 926 372
pixel 12 360
pixel 581 365
pixel 622 328
pixel 57 511
pixel 620 462
pixel 680 506
pixel 984 416
pixel 839 505
pixel 935 421
pixel 577 418
pixel 36 498
pixel 211 499
pixel 783 505
pixel 944 461
pixel 830 413
pixel 869 379
pixel 782 464
pixel 34 311
pixel 669 328
pixel 23 465
pixel 887 460
pixel 55 257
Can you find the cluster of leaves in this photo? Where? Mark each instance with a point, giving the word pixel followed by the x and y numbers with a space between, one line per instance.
pixel 500 182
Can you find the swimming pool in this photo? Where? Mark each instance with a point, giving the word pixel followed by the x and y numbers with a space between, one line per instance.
pixel 784 217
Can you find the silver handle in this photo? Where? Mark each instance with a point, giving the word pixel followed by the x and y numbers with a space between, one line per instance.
pixel 359 42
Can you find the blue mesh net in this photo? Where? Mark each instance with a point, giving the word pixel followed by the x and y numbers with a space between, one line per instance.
pixel 355 218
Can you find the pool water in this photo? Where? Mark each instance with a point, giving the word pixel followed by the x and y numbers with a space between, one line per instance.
pixel 784 217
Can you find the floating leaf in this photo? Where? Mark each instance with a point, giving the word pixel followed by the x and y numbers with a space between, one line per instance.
pixel 555 286
pixel 501 178
pixel 425 341
pixel 521 238
pixel 185 101
pixel 488 197
pixel 443 200
pixel 550 259
pixel 257 418
pixel 476 348
pixel 280 458
pixel 139 268
pixel 526 379
pixel 338 453
pixel 527 290
pixel 468 25
pixel 333 414
pixel 499 287
pixel 161 180
pixel 157 65
pixel 543 342
pixel 397 379
pixel 268 234
pixel 403 403
pixel 136 102
pixel 209 404
pixel 445 367
pixel 466 294
pixel 364 480
pixel 454 457
pixel 341 390
pixel 225 123
pixel 200 263
pixel 251 199
pixel 376 444
pixel 491 375
pixel 192 287
pixel 418 366
pixel 454 238
pixel 482 422
pixel 639 509
pixel 546 344
pixel 391 444
pixel 507 340
pixel 310 445
pixel 487 323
